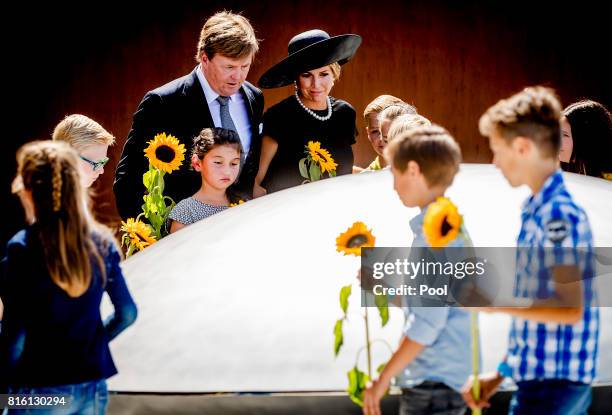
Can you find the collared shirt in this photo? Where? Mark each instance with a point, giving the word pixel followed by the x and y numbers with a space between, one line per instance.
pixel 557 232
pixel 444 331
pixel 237 109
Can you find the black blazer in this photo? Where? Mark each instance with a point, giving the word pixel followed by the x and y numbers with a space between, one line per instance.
pixel 178 108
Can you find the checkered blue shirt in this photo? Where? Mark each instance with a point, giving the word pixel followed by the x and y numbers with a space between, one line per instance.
pixel 557 232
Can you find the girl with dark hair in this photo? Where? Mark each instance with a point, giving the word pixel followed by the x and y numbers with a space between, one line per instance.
pixel 53 339
pixel 216 154
pixel 586 142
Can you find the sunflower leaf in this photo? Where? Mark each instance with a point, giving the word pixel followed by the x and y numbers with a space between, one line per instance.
pixel 160 204
pixel 147 179
pixel 383 308
pixel 303 169
pixel 146 207
pixel 315 172
pixel 153 203
pixel 357 385
pixel 160 181
pixel 338 337
pixel 332 173
pixel 345 292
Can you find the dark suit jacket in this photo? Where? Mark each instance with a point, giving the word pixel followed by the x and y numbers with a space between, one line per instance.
pixel 178 108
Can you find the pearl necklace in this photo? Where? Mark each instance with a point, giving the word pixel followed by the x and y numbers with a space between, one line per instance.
pixel 311 112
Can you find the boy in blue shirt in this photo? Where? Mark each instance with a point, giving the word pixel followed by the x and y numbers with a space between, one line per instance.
pixel 434 354
pixel 553 341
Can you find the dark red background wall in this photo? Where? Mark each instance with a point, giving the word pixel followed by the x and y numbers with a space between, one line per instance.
pixel 451 59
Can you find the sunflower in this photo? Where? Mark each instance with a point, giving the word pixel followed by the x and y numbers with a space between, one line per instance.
pixel 354 238
pixel 237 203
pixel 165 153
pixel 321 156
pixel 441 223
pixel 138 232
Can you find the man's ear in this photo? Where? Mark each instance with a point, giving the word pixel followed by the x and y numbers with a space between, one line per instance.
pixel 204 59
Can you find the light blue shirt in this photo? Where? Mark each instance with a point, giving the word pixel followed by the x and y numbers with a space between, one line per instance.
pixel 237 109
pixel 444 331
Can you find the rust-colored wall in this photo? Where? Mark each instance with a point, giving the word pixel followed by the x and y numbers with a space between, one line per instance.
pixel 450 59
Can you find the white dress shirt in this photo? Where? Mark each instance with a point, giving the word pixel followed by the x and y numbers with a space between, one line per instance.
pixel 237 109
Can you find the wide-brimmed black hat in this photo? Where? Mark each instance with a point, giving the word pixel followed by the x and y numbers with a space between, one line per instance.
pixel 307 51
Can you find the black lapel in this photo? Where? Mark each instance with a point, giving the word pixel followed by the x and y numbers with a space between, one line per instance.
pixel 247 94
pixel 194 91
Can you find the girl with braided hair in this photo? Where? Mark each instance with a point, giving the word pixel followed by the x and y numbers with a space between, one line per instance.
pixel 53 339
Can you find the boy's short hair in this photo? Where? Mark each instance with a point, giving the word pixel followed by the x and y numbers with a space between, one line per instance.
pixel 534 113
pixel 406 122
pixel 81 131
pixel 391 112
pixel 432 148
pixel 227 34
pixel 377 105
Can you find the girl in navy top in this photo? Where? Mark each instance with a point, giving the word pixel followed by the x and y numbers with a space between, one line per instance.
pixel 53 339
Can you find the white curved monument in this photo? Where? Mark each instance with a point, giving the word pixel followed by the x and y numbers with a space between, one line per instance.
pixel 246 300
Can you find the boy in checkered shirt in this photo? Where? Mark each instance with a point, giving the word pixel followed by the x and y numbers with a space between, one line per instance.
pixel 552 348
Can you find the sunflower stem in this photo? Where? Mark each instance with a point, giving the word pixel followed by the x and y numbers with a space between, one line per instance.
pixel 475 360
pixel 368 349
pixel 373 342
pixel 130 250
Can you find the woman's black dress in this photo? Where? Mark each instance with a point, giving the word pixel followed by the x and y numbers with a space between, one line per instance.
pixel 292 128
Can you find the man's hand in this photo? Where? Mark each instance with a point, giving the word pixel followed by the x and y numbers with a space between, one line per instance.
pixel 489 382
pixel 372 396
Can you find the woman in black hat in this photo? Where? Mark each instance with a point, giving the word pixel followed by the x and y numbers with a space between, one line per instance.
pixel 313 64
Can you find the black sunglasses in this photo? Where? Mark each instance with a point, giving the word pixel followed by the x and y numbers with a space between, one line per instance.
pixel 96 164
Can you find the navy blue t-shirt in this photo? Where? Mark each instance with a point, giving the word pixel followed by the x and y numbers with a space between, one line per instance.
pixel 49 338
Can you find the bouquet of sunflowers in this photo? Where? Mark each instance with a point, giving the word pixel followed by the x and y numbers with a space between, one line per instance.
pixel 165 155
pixel 317 162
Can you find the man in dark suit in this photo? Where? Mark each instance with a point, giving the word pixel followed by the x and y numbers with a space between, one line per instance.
pixel 214 94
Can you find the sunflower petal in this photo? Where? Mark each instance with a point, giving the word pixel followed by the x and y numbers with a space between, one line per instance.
pixel 171 143
pixel 441 223
pixel 354 238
